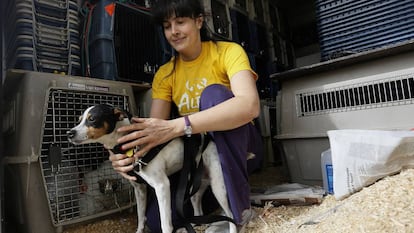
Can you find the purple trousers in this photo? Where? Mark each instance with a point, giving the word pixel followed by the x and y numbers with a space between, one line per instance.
pixel 232 146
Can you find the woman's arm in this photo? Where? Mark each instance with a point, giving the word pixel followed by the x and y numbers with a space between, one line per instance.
pixel 160 109
pixel 235 112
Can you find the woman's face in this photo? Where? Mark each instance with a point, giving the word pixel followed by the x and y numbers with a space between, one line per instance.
pixel 183 34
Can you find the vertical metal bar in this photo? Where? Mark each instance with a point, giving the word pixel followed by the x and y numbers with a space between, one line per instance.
pixel 53 118
pixel 318 103
pixel 306 103
pixel 363 95
pixel 369 94
pixel 405 88
pixel 393 88
pixel 339 98
pixel 55 179
pixel 325 101
pixel 373 93
pixel 313 103
pixel 401 90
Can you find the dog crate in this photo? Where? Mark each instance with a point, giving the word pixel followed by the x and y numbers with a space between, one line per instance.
pixel 376 94
pixel 219 22
pixel 123 43
pixel 240 28
pixel 52 183
pixel 258 10
pixel 347 26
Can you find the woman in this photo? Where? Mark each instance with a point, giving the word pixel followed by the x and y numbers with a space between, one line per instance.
pixel 213 86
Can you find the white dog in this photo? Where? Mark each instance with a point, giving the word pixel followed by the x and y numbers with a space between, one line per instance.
pixel 99 123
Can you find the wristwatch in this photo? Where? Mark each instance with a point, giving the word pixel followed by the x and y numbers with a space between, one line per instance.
pixel 187 128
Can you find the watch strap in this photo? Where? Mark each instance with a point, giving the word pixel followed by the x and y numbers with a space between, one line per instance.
pixel 187 121
pixel 187 128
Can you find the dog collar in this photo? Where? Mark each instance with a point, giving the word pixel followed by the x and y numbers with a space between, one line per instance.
pixel 117 150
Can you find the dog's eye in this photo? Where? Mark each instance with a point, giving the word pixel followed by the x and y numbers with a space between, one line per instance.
pixel 91 118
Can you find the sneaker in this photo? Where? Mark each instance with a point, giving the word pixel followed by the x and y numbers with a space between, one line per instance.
pixel 181 230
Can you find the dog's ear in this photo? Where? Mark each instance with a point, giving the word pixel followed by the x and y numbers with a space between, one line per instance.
pixel 120 114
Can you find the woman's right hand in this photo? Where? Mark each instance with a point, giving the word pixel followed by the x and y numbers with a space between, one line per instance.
pixel 122 164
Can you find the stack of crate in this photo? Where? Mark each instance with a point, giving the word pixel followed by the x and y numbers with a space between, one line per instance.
pixel 43 35
pixel 347 26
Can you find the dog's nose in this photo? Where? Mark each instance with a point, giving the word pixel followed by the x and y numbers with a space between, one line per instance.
pixel 71 133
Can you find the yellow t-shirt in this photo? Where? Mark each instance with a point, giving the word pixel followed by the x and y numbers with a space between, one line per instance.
pixel 183 84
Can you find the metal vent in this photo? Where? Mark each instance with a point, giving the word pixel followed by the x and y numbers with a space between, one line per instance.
pixel 77 180
pixel 398 90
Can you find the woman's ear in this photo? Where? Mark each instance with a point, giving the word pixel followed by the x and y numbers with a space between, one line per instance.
pixel 200 21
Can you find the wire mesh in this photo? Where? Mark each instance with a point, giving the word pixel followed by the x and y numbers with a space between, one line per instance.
pixel 79 181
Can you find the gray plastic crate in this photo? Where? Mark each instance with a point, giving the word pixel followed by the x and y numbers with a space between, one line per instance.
pixel 377 94
pixel 53 183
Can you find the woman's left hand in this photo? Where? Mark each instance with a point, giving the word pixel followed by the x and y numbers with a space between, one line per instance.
pixel 146 133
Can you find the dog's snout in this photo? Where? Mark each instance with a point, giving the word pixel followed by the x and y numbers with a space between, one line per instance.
pixel 71 133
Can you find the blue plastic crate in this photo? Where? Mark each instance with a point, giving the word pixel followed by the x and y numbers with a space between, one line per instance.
pixel 347 26
pixel 220 19
pixel 102 58
pixel 257 38
pixel 101 55
pixel 240 29
pixel 253 43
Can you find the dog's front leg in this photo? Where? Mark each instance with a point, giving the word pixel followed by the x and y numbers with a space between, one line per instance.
pixel 140 190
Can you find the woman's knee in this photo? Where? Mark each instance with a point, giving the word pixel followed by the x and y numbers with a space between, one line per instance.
pixel 213 95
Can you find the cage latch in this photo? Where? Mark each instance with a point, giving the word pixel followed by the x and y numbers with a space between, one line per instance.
pixel 55 157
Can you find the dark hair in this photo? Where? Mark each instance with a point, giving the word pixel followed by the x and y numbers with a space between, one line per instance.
pixel 162 10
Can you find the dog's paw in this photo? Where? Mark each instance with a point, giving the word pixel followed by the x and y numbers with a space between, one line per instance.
pixel 218 227
pixel 181 230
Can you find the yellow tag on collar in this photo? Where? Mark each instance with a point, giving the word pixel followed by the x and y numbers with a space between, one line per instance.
pixel 130 153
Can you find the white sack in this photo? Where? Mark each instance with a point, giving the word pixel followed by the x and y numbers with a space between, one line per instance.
pixel 361 157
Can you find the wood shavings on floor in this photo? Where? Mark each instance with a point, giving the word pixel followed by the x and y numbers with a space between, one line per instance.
pixel 386 206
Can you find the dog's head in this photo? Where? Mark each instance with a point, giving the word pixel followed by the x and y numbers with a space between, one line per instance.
pixel 99 124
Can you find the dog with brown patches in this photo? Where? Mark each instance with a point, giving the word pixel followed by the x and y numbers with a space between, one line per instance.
pixel 99 124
